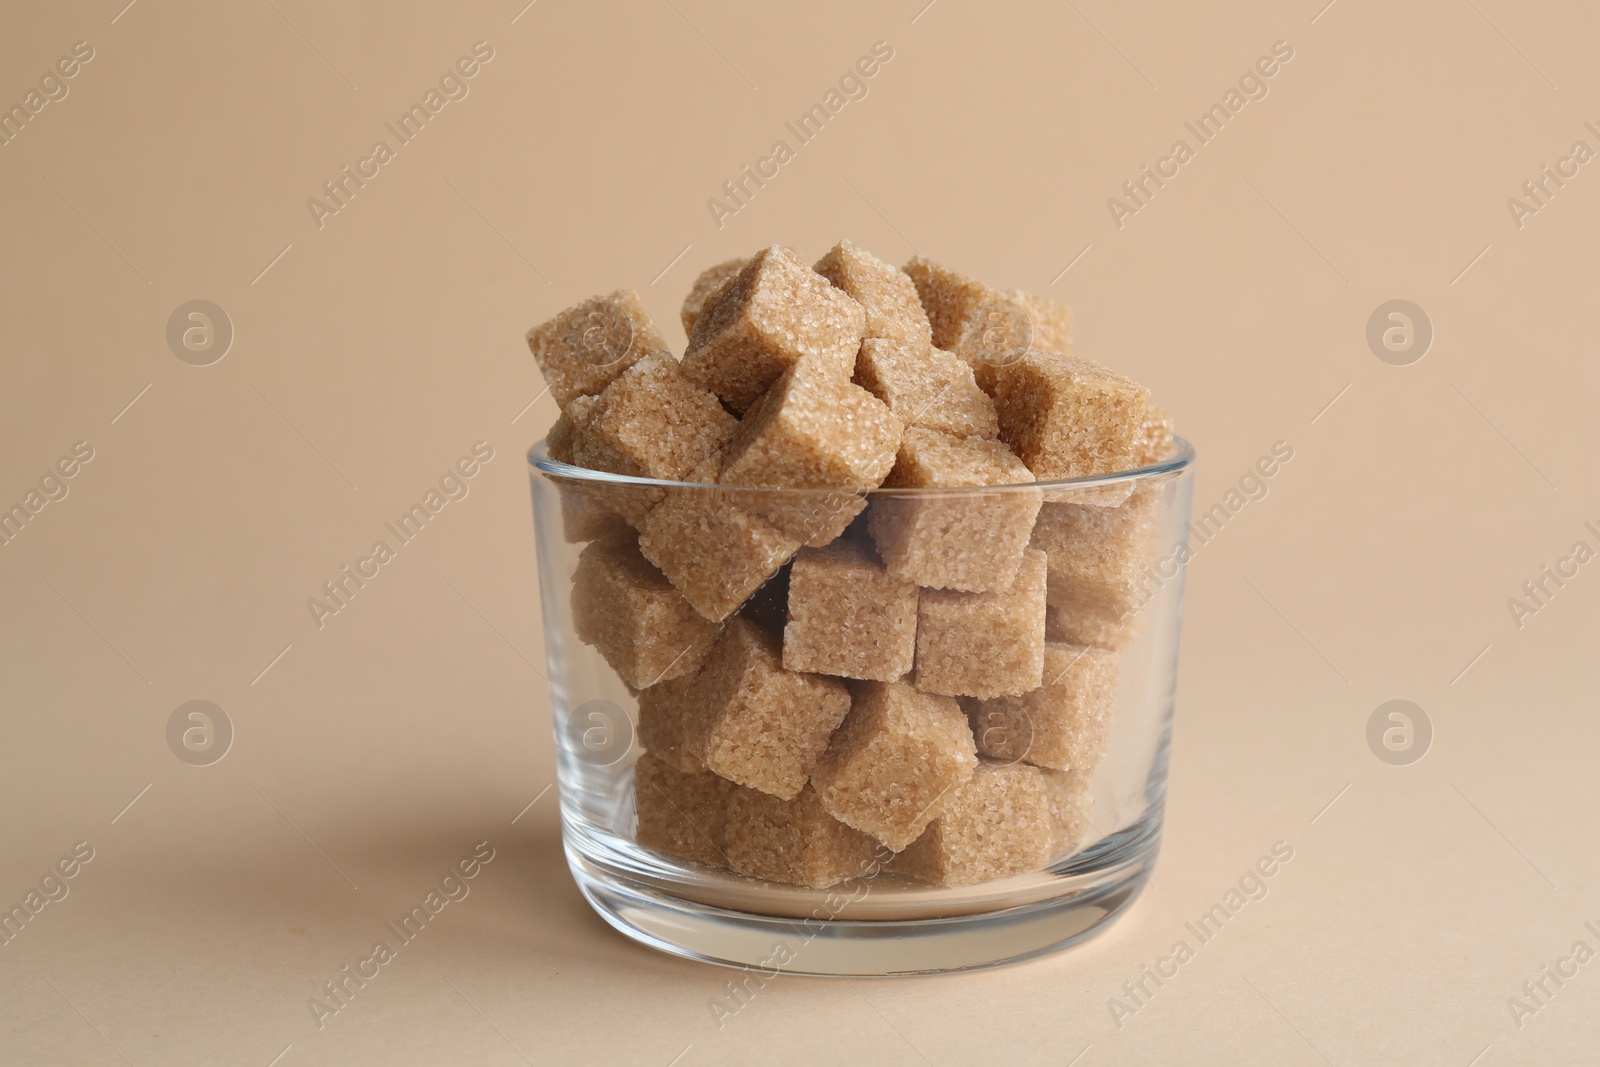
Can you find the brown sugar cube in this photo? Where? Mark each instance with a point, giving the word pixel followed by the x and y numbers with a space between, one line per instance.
pixel 1067 417
pixel 649 423
pixel 813 430
pixel 1097 550
pixel 819 517
pixel 756 723
pixel 681 813
pixel 795 841
pixel 980 324
pixel 848 616
pixel 949 299
pixel 1071 800
pixel 984 644
pixel 711 546
pixel 995 825
pixel 583 349
pixel 925 387
pixel 884 292
pixel 774 312
pixel 890 765
pixel 1052 322
pixel 1088 624
pixel 827 516
pixel 627 610
pixel 1065 723
pixel 1153 443
pixel 1097 562
pixel 666 714
pixel 969 542
pixel 584 515
pixel 708 282
pixel 562 440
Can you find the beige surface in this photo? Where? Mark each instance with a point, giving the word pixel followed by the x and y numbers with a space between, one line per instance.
pixel 413 724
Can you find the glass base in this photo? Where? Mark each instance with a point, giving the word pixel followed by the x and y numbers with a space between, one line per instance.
pixel 1090 891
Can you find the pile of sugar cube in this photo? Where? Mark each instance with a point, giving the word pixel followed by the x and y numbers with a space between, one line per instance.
pixel 832 682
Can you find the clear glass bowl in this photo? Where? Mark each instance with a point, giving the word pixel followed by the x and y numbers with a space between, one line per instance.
pixel 1116 547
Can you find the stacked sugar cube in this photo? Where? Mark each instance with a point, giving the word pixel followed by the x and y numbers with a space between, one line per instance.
pixel 831 683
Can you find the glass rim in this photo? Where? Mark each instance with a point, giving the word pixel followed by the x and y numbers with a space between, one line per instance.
pixel 1181 460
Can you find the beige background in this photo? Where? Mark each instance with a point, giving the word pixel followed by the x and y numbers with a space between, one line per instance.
pixel 374 351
